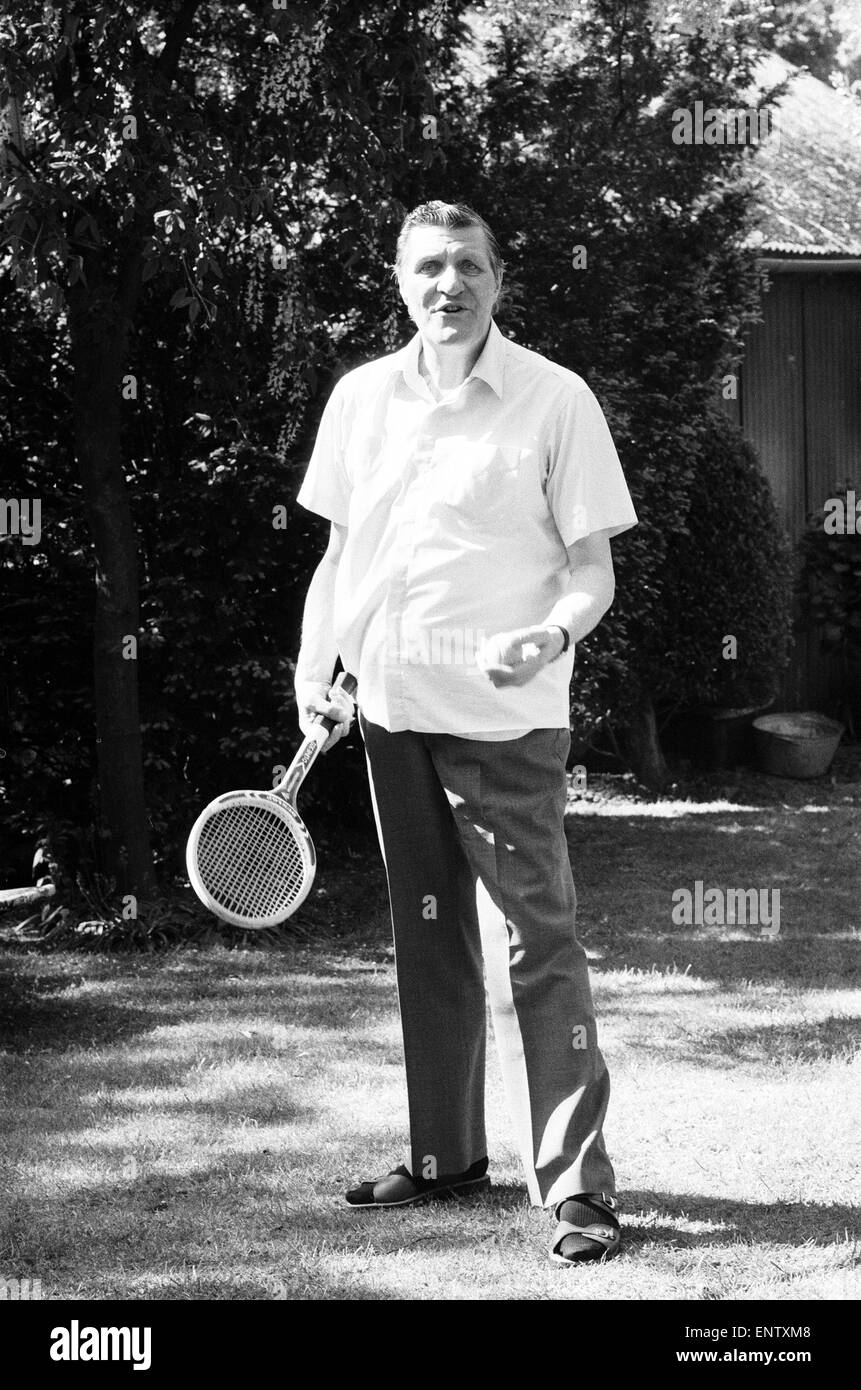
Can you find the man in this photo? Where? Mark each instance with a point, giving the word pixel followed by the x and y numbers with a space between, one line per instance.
pixel 472 488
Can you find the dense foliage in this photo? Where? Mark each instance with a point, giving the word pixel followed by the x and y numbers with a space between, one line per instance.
pixel 238 238
pixel 730 635
pixel 272 172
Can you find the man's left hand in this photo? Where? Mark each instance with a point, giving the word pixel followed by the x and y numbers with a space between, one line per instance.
pixel 513 658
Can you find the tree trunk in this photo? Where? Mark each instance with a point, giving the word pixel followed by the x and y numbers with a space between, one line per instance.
pixel 99 338
pixel 642 747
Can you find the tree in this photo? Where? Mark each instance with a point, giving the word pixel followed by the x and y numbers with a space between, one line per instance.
pixel 821 35
pixel 150 139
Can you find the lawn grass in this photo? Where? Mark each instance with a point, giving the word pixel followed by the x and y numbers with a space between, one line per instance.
pixel 181 1126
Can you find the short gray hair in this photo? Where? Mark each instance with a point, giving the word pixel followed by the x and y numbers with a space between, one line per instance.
pixel 451 215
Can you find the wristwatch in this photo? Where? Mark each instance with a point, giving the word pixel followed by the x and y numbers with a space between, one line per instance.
pixel 566 640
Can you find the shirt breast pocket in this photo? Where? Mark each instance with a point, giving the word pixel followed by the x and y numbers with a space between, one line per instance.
pixel 485 484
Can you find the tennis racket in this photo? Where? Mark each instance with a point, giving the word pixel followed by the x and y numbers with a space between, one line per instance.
pixel 250 858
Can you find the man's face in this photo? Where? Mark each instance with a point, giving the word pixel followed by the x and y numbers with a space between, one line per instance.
pixel 448 285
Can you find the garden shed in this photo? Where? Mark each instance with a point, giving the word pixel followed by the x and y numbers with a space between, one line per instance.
pixel 799 384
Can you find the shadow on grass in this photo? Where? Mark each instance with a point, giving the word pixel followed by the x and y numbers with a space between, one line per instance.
pixel 811 962
pixel 35 1012
pixel 732 1222
pixel 41 1011
pixel 728 1222
pixel 836 1038
pixel 633 864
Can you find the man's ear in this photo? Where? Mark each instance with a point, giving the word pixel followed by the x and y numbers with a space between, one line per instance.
pixel 498 294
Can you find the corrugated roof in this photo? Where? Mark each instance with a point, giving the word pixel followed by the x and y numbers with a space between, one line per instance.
pixel 810 177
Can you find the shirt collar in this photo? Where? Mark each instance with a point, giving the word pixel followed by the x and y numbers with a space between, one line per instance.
pixel 489 367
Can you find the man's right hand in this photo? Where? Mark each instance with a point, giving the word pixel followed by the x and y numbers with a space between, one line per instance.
pixel 321 697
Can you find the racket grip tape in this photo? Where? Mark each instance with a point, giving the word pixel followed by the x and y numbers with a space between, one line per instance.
pixel 344 682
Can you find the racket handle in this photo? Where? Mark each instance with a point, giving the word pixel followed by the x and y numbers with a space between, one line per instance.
pixel 344 682
pixel 298 769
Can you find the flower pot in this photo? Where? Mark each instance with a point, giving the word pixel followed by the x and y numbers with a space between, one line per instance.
pixel 796 745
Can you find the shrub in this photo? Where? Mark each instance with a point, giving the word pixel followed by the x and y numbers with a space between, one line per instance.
pixel 727 574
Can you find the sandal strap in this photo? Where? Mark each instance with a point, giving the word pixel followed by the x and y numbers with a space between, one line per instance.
pixel 608 1236
pixel 590 1201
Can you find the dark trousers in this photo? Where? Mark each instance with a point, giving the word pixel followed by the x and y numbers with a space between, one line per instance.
pixel 476 858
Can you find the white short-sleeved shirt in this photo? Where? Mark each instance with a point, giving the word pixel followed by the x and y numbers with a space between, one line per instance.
pixel 458 515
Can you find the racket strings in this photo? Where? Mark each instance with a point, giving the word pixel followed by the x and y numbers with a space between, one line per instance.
pixel 251 861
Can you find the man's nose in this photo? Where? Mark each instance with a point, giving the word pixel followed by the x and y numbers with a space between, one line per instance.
pixel 450 282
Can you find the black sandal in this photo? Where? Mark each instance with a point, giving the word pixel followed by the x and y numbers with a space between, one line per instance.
pixel 400 1189
pixel 605 1232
